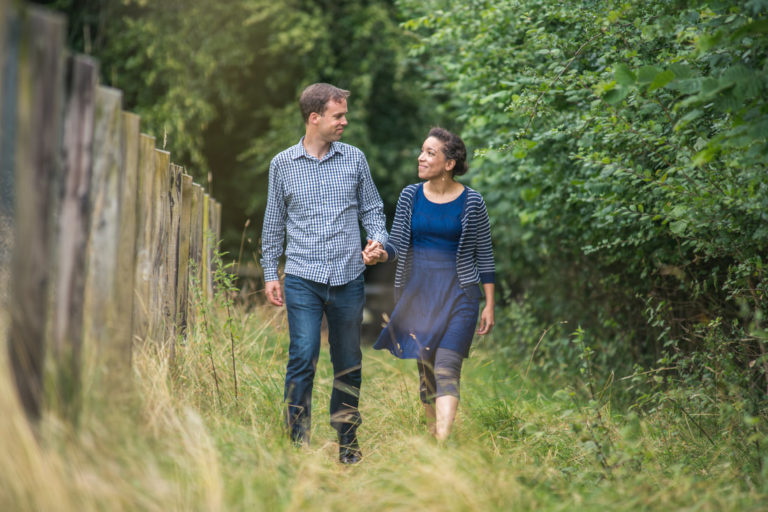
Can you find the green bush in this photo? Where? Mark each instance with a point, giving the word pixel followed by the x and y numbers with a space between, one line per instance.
pixel 621 150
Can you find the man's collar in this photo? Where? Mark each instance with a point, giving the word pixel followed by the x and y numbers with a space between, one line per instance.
pixel 300 151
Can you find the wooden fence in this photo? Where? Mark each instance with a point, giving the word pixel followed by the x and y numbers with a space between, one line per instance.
pixel 99 231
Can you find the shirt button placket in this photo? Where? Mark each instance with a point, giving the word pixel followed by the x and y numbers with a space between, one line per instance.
pixel 323 222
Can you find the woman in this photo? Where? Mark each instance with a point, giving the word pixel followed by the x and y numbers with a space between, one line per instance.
pixel 441 241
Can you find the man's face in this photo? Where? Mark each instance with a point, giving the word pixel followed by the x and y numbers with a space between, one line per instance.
pixel 330 124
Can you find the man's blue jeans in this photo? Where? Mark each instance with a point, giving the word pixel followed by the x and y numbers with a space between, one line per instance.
pixel 305 302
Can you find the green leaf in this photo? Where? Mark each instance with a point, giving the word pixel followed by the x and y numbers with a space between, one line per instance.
pixel 687 118
pixel 615 96
pixel 681 70
pixel 646 74
pixel 623 74
pixel 705 155
pixel 678 226
pixel 661 80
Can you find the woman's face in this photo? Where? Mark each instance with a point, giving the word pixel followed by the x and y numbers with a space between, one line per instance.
pixel 432 161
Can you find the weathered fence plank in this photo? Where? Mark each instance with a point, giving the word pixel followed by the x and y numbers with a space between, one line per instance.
pixel 196 237
pixel 40 78
pixel 160 237
pixel 143 271
pixel 217 224
pixel 9 48
pixel 182 276
pixel 216 228
pixel 100 288
pixel 206 252
pixel 127 241
pixel 172 256
pixel 3 19
pixel 212 244
pixel 72 231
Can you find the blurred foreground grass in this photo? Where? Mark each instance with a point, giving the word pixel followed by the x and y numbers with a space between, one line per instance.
pixel 170 441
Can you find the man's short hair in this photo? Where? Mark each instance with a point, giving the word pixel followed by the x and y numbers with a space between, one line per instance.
pixel 315 97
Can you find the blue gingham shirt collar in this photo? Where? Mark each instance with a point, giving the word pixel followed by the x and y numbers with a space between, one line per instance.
pixel 299 151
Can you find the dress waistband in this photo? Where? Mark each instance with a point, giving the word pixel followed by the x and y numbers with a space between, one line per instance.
pixel 432 259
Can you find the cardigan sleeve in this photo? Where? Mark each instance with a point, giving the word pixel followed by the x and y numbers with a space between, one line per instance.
pixel 484 247
pixel 399 235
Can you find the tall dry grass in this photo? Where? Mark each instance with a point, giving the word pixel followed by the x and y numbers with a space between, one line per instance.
pixel 175 440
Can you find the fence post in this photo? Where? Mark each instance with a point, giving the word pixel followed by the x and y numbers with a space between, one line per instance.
pixel 172 256
pixel 182 283
pixel 100 309
pixel 196 239
pixel 72 233
pixel 127 241
pixel 206 262
pixel 40 76
pixel 143 270
pixel 217 224
pixel 9 44
pixel 159 248
pixel 216 227
pixel 213 244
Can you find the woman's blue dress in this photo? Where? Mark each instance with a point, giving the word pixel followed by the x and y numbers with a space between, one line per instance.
pixel 433 310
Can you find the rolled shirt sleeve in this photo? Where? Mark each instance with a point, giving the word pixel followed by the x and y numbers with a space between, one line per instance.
pixel 370 205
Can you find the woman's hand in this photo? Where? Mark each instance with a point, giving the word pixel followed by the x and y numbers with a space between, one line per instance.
pixel 486 316
pixel 374 253
pixel 486 320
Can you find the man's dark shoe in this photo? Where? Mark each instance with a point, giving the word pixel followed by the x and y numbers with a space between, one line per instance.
pixel 349 450
pixel 299 437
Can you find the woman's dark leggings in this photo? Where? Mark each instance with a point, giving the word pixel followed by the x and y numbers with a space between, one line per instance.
pixel 439 377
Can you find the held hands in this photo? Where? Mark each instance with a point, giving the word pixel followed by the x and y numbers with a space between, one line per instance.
pixel 374 253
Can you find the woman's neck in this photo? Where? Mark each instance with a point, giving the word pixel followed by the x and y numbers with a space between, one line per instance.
pixel 442 190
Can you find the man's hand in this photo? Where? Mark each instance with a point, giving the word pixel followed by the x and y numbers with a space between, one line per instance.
pixel 374 253
pixel 274 292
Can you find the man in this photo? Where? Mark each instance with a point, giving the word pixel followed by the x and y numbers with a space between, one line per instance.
pixel 319 191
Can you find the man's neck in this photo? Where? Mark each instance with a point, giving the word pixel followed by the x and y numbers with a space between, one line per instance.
pixel 316 146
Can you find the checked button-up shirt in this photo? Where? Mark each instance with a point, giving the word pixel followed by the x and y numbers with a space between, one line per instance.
pixel 318 206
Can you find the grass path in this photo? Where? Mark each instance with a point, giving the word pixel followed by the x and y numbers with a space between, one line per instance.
pixel 520 443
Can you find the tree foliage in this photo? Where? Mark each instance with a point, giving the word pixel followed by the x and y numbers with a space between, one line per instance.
pixel 217 84
pixel 621 147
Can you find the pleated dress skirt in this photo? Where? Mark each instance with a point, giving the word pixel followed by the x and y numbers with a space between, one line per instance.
pixel 433 311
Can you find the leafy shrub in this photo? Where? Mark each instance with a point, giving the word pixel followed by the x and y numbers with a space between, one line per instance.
pixel 621 151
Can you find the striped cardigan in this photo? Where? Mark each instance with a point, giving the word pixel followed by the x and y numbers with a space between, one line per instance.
pixel 474 257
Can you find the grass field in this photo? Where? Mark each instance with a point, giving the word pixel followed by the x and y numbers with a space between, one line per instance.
pixel 523 441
